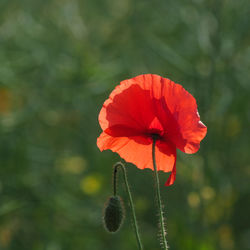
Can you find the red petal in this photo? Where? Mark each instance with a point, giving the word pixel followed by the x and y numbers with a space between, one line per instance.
pixel 127 107
pixel 185 130
pixel 172 176
pixel 177 111
pixel 133 106
pixel 138 150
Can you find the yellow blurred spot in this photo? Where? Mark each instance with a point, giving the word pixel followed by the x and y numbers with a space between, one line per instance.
pixel 233 126
pixel 73 164
pixel 5 100
pixel 193 199
pixel 90 185
pixel 5 237
pixel 207 193
pixel 225 236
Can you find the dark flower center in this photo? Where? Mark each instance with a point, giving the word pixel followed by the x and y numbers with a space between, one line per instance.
pixel 155 136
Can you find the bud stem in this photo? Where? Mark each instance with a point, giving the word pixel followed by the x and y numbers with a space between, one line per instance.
pixel 164 241
pixel 119 164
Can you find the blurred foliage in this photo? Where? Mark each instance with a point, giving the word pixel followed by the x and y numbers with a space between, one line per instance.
pixel 59 60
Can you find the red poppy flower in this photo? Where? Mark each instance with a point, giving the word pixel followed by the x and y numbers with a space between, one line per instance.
pixel 145 106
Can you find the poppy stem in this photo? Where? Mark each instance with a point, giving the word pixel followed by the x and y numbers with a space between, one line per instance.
pixel 116 166
pixel 163 232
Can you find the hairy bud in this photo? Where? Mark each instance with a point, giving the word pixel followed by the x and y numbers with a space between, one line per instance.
pixel 113 214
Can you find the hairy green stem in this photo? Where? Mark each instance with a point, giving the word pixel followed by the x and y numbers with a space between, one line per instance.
pixel 119 164
pixel 163 232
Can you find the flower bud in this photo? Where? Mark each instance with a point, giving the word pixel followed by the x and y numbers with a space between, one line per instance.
pixel 113 214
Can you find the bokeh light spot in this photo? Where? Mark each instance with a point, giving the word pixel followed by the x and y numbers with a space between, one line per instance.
pixel 73 164
pixel 5 237
pixel 90 185
pixel 5 100
pixel 225 235
pixel 207 193
pixel 193 199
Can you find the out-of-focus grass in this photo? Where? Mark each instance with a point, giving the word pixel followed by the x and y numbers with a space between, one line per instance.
pixel 58 62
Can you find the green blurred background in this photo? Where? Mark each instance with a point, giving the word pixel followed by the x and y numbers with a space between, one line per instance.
pixel 59 60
